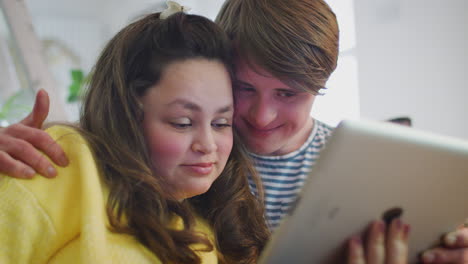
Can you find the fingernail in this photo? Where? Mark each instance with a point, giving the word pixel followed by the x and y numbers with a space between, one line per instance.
pixel 64 161
pixel 428 257
pixel 451 239
pixel 30 172
pixel 51 171
pixel 381 226
pixel 407 228
pixel 398 223
pixel 357 240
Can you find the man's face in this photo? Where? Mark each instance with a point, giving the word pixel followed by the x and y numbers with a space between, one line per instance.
pixel 271 117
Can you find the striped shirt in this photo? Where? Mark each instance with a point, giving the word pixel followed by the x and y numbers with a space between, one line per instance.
pixel 284 176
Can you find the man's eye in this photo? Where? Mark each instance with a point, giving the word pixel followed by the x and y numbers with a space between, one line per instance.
pixel 286 94
pixel 245 89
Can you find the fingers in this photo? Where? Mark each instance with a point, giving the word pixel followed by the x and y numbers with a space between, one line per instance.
pixel 18 154
pixel 389 247
pixel 14 168
pixel 397 242
pixel 40 110
pixel 382 247
pixel 456 250
pixel 376 243
pixel 457 239
pixel 22 145
pixel 445 255
pixel 356 251
pixel 40 140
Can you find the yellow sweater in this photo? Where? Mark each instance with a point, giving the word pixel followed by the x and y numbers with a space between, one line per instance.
pixel 64 220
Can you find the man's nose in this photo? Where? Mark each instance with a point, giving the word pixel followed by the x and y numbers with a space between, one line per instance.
pixel 262 113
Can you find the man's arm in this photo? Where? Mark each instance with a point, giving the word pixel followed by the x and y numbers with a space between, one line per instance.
pixel 21 145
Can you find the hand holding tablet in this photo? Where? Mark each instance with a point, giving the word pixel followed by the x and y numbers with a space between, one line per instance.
pixel 367 170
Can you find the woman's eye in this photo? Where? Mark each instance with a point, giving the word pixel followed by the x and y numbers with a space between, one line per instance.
pixel 181 123
pixel 221 123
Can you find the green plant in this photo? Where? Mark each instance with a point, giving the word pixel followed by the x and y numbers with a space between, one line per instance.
pixel 75 88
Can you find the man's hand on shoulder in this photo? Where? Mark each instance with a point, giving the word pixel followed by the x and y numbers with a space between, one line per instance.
pixel 21 145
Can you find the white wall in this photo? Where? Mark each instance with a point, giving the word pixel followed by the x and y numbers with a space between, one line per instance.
pixel 341 98
pixel 116 16
pixel 73 43
pixel 413 60
pixel 398 57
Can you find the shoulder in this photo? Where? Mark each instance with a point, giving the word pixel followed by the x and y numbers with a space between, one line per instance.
pixel 60 198
pixel 72 180
pixel 323 131
pixel 66 136
pixel 76 148
pixel 68 185
pixel 319 136
pixel 46 213
pixel 323 127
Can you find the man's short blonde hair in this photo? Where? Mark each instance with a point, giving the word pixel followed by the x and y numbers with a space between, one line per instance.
pixel 294 40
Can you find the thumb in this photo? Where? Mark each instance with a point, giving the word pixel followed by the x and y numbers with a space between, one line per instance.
pixel 39 112
pixel 457 238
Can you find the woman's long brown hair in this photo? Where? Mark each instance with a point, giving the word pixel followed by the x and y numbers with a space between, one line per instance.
pixel 132 62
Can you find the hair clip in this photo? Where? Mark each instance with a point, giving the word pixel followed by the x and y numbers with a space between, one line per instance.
pixel 172 8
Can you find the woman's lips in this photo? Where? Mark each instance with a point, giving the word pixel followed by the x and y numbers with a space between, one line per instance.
pixel 200 168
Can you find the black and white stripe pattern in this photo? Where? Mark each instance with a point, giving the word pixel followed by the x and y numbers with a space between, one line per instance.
pixel 284 176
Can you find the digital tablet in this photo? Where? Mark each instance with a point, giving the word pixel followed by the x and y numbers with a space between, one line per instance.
pixel 366 170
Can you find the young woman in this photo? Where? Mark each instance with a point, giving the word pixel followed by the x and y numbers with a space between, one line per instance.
pixel 155 175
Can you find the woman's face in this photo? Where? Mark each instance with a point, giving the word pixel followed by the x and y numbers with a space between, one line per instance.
pixel 188 125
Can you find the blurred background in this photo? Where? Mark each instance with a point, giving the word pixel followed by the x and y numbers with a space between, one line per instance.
pixel 397 57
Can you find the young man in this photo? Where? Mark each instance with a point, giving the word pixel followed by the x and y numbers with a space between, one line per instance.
pixel 286 51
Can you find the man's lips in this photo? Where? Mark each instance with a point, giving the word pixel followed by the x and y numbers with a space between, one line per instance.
pixel 200 168
pixel 260 132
